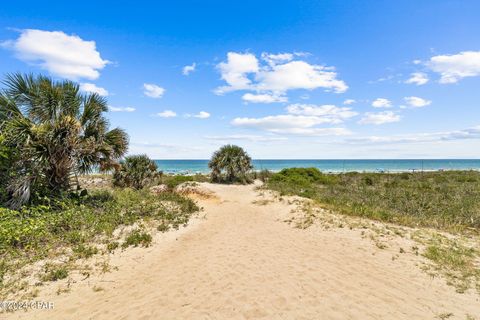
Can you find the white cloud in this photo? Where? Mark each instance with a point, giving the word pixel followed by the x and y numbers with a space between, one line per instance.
pixel 92 88
pixel 152 90
pixel 380 118
pixel 280 73
pixel 316 132
pixel 167 114
pixel 235 71
pixel 263 98
pixel 202 115
pixel 349 101
pixel 298 75
pixel 273 59
pixel 189 69
pixel 284 121
pixel 301 119
pixel 453 68
pixel 465 134
pixel 417 102
pixel 383 79
pixel 418 78
pixel 290 124
pixel 247 137
pixel 381 103
pixel 121 109
pixel 332 113
pixel 63 55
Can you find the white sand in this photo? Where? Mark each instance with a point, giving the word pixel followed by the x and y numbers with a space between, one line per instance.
pixel 244 262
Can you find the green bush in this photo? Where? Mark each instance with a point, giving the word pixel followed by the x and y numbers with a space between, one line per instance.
pixel 53 273
pixel 302 181
pixel 137 238
pixel 173 181
pixel 136 171
pixel 84 251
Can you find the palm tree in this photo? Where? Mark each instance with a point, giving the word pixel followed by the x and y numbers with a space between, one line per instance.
pixel 58 131
pixel 230 163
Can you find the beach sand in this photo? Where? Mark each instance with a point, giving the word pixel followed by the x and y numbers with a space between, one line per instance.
pixel 243 261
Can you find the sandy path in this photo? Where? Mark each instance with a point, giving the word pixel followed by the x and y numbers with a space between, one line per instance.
pixel 243 262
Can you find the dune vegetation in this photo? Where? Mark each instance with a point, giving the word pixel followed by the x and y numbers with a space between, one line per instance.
pixel 84 226
pixel 447 200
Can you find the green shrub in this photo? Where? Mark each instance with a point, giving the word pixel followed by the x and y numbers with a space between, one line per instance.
pixel 84 251
pixel 136 171
pixel 112 246
pixel 302 181
pixel 172 181
pixel 175 180
pixel 137 238
pixel 54 273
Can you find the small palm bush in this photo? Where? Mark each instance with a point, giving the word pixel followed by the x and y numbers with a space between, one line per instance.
pixel 230 164
pixel 136 171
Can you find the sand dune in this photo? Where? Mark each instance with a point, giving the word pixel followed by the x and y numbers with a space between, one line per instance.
pixel 242 261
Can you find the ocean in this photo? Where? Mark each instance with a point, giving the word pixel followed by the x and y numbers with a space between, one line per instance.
pixel 334 166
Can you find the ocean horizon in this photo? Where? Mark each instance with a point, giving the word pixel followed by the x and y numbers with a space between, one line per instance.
pixel 332 165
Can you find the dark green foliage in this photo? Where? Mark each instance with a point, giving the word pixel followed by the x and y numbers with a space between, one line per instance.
pixel 230 164
pixel 447 200
pixel 136 171
pixel 58 133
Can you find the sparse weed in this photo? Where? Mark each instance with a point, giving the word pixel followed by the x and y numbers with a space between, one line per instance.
pixel 54 273
pixel 137 238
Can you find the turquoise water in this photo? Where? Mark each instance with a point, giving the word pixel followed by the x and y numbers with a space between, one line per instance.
pixel 201 166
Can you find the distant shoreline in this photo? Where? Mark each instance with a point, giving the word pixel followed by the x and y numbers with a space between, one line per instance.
pixel 190 167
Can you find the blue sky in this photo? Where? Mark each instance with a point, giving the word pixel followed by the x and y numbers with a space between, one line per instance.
pixel 284 79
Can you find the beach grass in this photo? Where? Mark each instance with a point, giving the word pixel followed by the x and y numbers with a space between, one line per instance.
pixel 448 200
